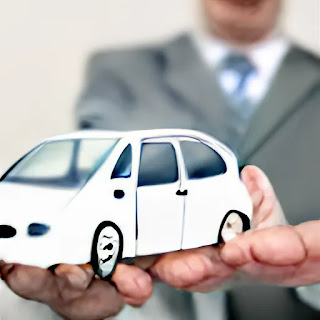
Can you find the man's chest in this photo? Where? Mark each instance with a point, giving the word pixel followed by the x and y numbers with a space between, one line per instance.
pixel 290 157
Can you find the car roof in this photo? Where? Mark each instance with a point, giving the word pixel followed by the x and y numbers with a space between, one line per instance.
pixel 89 134
pixel 140 135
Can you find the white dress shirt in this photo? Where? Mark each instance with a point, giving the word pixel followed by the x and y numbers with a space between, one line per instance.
pixel 266 57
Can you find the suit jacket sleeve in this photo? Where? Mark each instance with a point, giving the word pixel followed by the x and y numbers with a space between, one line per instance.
pixel 106 100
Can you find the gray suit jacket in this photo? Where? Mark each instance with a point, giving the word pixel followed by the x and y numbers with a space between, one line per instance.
pixel 170 86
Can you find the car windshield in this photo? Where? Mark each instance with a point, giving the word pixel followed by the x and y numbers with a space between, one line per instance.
pixel 65 163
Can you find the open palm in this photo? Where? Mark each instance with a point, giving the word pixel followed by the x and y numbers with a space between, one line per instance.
pixel 205 269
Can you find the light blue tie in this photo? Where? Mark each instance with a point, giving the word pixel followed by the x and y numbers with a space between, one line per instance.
pixel 243 69
pixel 238 98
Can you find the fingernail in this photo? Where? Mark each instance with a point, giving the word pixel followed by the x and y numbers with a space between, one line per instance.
pixel 2 263
pixel 6 270
pixel 76 279
pixel 142 281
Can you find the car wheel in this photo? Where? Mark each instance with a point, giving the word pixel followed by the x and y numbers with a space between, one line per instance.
pixel 234 223
pixel 106 249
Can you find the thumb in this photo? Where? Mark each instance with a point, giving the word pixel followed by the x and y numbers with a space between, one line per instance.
pixel 267 210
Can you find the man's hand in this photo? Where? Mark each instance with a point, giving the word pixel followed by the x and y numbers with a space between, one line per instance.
pixel 206 269
pixel 73 293
pixel 287 256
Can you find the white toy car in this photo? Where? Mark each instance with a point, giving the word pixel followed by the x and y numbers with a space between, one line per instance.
pixel 102 197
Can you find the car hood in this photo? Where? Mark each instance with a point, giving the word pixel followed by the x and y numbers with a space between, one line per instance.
pixel 21 200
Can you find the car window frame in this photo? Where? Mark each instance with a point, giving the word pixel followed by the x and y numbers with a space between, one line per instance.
pixel 209 145
pixel 55 182
pixel 117 161
pixel 179 161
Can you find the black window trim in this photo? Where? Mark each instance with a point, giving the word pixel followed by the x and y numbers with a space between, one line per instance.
pixel 197 140
pixel 162 140
pixel 117 161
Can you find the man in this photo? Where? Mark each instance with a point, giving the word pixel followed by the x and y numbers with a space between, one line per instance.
pixel 240 82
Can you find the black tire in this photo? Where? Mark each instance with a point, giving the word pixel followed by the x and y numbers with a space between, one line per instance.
pixel 245 222
pixel 111 263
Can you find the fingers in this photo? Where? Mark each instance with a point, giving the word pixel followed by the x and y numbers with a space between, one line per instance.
pixel 267 210
pixel 72 280
pixel 83 297
pixel 99 301
pixel 270 255
pixel 78 277
pixel 73 293
pixel 146 262
pixel 30 282
pixel 278 246
pixel 134 284
pixel 194 270
pixel 309 233
pixel 182 269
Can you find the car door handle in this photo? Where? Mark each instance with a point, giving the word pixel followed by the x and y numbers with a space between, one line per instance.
pixel 182 193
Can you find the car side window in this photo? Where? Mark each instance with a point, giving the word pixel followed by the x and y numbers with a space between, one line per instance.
pixel 123 167
pixel 201 161
pixel 158 164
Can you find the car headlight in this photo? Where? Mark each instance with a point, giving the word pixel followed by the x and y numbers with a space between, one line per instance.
pixel 37 229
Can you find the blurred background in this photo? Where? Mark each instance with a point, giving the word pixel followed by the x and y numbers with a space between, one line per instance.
pixel 45 44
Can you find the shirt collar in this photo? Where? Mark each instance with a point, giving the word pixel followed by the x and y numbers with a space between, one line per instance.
pixel 266 55
pixel 211 50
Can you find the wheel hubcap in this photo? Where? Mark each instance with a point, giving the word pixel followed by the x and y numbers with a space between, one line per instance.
pixel 107 249
pixel 232 227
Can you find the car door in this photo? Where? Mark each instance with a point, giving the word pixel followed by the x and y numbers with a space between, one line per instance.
pixel 160 209
pixel 207 186
pixel 122 207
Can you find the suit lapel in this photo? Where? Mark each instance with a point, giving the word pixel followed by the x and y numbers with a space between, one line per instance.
pixel 194 82
pixel 197 85
pixel 295 80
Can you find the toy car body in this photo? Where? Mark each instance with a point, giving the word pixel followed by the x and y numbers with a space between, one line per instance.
pixel 102 196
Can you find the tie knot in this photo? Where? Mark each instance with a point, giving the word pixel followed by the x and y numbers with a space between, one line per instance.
pixel 239 64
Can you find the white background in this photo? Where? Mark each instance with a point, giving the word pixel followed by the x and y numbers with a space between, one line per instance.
pixel 44 45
